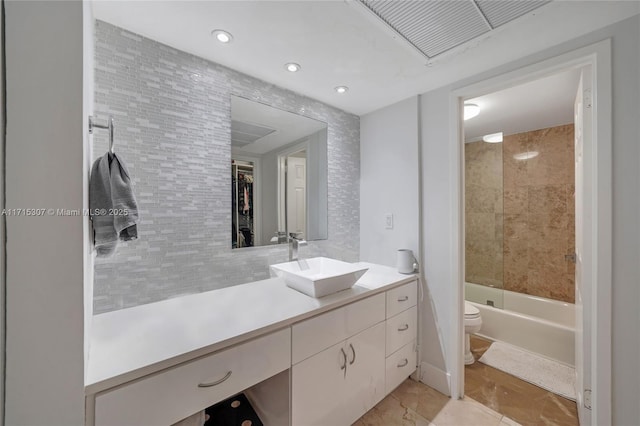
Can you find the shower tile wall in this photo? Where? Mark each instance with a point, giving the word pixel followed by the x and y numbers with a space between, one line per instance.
pixel 172 117
pixel 520 220
pixel 483 213
pixel 539 213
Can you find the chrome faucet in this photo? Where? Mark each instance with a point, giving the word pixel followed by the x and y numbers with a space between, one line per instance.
pixel 294 242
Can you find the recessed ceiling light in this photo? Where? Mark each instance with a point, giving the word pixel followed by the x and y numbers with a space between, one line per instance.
pixel 526 155
pixel 292 67
pixel 222 36
pixel 341 89
pixel 471 110
pixel 493 137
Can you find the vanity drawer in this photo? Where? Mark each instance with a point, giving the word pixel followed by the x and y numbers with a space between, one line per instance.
pixel 176 393
pixel 401 329
pixel 318 333
pixel 400 365
pixel 401 298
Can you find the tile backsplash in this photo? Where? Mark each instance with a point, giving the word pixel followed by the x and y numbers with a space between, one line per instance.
pixel 172 114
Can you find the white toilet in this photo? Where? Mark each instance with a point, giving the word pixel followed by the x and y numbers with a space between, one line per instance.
pixel 472 324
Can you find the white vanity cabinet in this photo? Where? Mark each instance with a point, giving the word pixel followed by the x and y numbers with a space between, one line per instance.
pixel 337 385
pixel 178 392
pixel 340 383
pixel 301 361
pixel 401 334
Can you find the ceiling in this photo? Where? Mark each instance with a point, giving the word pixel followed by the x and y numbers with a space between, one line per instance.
pixel 547 102
pixel 344 43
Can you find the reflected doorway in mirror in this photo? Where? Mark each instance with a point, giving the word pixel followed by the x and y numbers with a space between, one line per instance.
pixel 288 153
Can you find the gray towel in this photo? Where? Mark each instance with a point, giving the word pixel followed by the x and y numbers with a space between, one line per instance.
pixel 112 204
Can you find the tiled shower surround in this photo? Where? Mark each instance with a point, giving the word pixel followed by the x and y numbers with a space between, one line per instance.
pixel 172 114
pixel 483 213
pixel 535 200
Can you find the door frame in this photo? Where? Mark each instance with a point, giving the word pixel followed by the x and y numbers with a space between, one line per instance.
pixel 598 238
pixel 257 194
pixel 282 183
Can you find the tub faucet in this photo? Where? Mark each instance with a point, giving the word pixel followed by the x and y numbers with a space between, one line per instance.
pixel 294 242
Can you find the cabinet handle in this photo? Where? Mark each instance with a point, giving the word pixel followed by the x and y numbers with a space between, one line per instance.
pixel 344 359
pixel 354 354
pixel 344 362
pixel 404 327
pixel 217 382
pixel 403 363
pixel 403 298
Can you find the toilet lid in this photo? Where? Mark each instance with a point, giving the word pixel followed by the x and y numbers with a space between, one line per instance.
pixel 470 311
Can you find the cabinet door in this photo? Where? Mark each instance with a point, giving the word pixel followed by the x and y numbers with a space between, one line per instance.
pixel 318 389
pixel 365 372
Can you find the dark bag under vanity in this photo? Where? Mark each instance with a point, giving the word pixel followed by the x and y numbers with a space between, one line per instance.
pixel 234 411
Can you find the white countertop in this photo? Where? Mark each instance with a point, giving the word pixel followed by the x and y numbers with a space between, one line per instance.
pixel 131 343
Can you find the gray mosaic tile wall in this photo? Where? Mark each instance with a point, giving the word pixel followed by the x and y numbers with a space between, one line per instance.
pixel 172 114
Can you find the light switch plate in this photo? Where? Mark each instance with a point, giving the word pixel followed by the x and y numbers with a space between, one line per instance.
pixel 388 221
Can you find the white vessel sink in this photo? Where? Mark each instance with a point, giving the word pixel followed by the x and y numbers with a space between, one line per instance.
pixel 318 276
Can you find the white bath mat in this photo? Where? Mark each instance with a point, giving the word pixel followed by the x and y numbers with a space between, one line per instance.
pixel 545 373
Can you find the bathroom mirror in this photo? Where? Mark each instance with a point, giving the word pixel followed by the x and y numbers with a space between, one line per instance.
pixel 278 174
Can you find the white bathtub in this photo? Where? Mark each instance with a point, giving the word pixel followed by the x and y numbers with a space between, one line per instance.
pixel 539 325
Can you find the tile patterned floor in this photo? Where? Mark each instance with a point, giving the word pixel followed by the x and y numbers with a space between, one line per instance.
pixel 493 398
pixel 515 398
pixel 415 404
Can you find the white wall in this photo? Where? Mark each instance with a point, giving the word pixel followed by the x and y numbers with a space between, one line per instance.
pixel 88 88
pixel 389 182
pixel 437 237
pixel 45 255
pixel 438 206
pixel 2 222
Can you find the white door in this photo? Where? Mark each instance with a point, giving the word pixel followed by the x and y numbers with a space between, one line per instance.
pixel 297 195
pixel 583 277
pixel 365 372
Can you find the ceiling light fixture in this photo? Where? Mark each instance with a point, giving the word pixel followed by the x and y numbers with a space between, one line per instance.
pixel 222 36
pixel 471 110
pixel 341 89
pixel 292 67
pixel 493 137
pixel 526 155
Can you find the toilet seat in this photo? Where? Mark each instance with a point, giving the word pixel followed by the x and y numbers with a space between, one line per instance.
pixel 472 324
pixel 470 311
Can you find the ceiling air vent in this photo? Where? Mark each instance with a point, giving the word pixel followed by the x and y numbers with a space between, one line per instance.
pixel 499 12
pixel 434 27
pixel 246 133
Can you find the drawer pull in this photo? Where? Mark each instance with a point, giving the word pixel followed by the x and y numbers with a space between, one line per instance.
pixel 354 354
pixel 217 382
pixel 404 327
pixel 403 363
pixel 403 298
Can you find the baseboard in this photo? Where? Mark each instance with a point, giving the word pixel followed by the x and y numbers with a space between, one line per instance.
pixel 436 378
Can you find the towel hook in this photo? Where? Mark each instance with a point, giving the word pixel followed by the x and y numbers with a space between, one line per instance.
pixel 93 124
